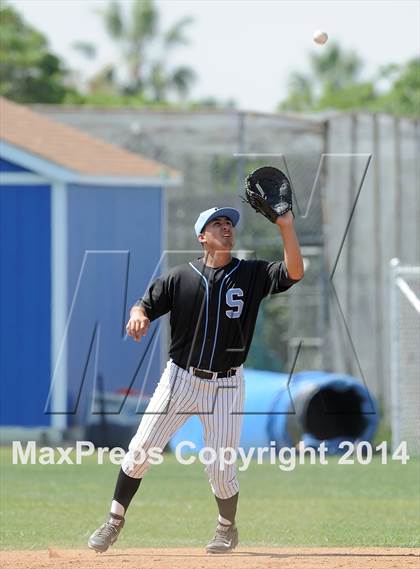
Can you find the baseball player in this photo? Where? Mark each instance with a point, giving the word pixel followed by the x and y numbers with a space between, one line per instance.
pixel 213 303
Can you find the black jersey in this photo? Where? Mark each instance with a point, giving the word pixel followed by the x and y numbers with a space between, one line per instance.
pixel 213 311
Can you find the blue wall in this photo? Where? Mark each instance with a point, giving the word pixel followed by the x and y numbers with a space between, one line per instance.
pixel 25 291
pixel 123 219
pixel 124 224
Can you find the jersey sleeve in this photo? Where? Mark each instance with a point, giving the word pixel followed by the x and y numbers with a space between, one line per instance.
pixel 276 278
pixel 157 300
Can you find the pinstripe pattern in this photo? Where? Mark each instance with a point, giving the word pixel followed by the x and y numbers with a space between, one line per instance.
pixel 180 394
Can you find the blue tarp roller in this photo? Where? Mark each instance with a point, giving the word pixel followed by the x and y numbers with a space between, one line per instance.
pixel 314 406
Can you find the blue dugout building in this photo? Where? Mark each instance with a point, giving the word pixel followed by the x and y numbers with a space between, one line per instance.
pixel 82 233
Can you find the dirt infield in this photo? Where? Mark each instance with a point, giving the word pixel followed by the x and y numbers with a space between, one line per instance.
pixel 194 558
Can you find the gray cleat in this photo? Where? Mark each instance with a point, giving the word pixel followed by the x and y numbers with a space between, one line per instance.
pixel 107 534
pixel 224 540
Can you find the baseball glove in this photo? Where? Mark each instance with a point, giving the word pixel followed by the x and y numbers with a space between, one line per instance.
pixel 268 191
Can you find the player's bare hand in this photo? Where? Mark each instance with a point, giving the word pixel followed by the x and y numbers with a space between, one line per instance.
pixel 138 324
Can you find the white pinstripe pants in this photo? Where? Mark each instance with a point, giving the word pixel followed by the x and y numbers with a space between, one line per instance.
pixel 178 395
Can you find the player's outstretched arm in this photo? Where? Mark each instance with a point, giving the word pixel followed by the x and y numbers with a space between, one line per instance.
pixel 138 323
pixel 292 255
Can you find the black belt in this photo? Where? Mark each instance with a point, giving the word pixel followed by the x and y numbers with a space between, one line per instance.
pixel 212 374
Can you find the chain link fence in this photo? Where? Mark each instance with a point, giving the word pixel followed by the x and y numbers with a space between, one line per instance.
pixel 405 356
pixel 336 317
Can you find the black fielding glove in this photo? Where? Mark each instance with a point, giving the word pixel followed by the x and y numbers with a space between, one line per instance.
pixel 268 191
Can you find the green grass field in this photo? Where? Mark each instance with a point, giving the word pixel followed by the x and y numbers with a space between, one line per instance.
pixel 332 505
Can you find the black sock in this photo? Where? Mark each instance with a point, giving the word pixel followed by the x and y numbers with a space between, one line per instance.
pixel 125 489
pixel 227 507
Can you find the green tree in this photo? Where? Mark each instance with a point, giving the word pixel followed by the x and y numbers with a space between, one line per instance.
pixel 301 96
pixel 335 68
pixel 333 82
pixel 144 52
pixel 350 96
pixel 29 72
pixel 403 97
pixel 333 72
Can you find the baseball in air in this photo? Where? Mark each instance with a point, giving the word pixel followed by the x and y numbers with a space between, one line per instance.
pixel 320 37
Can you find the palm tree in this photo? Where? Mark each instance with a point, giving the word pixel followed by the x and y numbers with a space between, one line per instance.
pixel 87 49
pixel 133 34
pixel 336 68
pixel 330 71
pixel 300 97
pixel 158 82
pixel 136 33
pixel 104 81
pixel 181 80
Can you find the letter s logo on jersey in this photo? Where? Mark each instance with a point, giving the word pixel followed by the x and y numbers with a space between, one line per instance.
pixel 235 303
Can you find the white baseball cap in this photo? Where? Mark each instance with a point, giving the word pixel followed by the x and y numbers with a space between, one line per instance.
pixel 210 214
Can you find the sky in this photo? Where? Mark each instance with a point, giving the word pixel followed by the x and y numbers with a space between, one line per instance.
pixel 243 50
